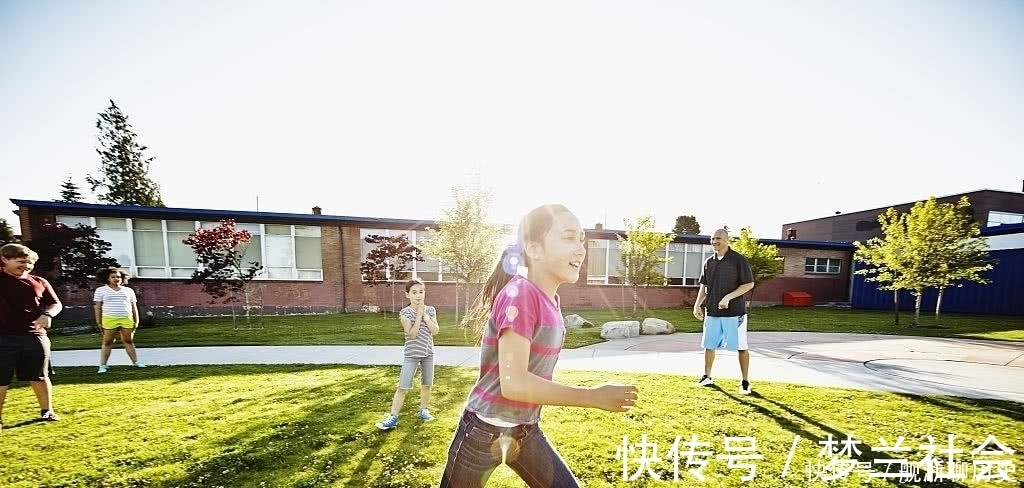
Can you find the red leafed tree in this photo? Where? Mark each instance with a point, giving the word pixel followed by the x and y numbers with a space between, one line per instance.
pixel 221 251
pixel 389 262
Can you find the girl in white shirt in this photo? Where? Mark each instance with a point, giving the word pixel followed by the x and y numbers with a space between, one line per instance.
pixel 117 313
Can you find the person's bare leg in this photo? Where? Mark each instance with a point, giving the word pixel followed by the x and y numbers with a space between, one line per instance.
pixel 129 344
pixel 43 390
pixel 425 396
pixel 397 401
pixel 108 344
pixel 3 397
pixel 709 360
pixel 744 357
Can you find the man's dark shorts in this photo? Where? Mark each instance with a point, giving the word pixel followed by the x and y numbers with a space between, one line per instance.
pixel 28 356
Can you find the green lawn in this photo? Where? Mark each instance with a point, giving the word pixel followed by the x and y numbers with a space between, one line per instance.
pixel 312 426
pixel 365 328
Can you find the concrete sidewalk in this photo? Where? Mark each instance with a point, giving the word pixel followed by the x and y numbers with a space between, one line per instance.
pixel 901 364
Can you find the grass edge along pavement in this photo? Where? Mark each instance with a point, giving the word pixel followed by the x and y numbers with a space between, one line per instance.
pixel 383 328
pixel 305 426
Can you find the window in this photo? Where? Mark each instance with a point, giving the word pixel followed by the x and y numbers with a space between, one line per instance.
pixel 1000 218
pixel 150 248
pixel 181 258
pixel 154 249
pixel 115 231
pixel 430 269
pixel 823 265
pixel 683 267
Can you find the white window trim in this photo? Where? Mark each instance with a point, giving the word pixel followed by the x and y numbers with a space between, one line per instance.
pixel 134 268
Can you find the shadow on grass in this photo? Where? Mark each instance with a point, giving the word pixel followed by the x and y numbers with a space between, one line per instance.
pixel 335 439
pixel 866 449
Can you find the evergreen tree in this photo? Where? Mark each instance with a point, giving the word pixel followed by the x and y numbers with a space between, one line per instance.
pixel 69 191
pixel 124 169
pixel 6 233
pixel 70 256
pixel 686 224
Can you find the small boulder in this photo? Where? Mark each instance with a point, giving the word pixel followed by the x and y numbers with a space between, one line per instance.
pixel 576 322
pixel 620 329
pixel 652 326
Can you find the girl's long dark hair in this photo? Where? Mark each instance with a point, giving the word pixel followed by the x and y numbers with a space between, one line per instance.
pixel 532 228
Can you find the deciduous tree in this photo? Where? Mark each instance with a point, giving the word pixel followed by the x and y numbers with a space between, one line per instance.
pixel 642 258
pixel 123 177
pixel 948 248
pixel 225 275
pixel 934 245
pixel 389 262
pixel 885 259
pixel 463 240
pixel 763 258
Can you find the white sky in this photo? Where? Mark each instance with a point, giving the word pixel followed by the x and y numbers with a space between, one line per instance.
pixel 744 113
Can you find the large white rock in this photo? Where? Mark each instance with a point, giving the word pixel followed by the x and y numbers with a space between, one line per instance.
pixel 620 329
pixel 652 326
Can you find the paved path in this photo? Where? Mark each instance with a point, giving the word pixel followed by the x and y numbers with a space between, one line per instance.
pixel 918 365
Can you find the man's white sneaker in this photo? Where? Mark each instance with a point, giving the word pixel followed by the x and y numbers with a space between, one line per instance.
pixel 745 388
pixel 705 381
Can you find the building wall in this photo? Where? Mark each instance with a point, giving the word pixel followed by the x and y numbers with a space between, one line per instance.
pixel 824 288
pixel 1003 296
pixel 863 225
pixel 343 290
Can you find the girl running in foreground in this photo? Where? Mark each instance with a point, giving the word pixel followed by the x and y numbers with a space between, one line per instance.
pixel 520 345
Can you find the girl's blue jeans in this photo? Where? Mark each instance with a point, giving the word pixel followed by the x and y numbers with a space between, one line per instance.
pixel 476 450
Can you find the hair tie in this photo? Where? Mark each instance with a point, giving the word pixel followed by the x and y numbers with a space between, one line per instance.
pixel 512 259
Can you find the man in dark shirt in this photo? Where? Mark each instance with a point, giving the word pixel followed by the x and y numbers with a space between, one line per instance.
pixel 27 307
pixel 726 277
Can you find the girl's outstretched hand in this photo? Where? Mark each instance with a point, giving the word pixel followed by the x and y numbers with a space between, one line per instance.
pixel 614 397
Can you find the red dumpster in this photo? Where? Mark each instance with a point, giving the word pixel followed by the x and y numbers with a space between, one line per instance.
pixel 797 299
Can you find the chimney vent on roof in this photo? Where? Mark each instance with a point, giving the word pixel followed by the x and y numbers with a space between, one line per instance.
pixel 598 226
pixel 791 234
pixel 316 210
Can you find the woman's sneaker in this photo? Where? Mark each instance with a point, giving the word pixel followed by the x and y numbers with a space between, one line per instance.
pixel 103 369
pixel 390 422
pixel 425 415
pixel 47 416
pixel 705 381
pixel 745 388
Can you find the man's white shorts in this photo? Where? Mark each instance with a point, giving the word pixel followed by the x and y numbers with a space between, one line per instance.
pixel 725 333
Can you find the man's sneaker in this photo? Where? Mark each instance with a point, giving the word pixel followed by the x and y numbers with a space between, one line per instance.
pixel 103 369
pixel 745 387
pixel 388 423
pixel 48 416
pixel 138 365
pixel 425 415
pixel 705 381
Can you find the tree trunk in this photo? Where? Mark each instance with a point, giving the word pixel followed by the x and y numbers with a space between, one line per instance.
pixel 917 308
pixel 634 300
pixel 896 305
pixel 938 305
pixel 456 303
